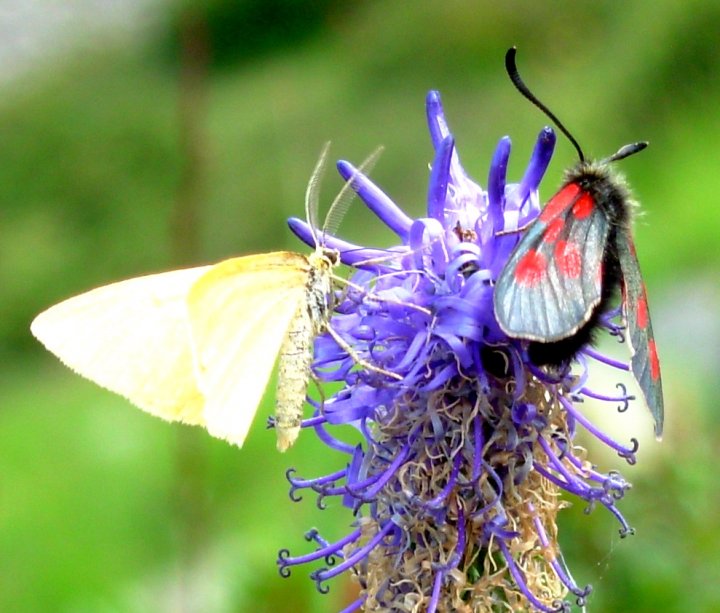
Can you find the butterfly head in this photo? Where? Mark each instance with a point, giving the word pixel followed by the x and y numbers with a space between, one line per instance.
pixel 324 258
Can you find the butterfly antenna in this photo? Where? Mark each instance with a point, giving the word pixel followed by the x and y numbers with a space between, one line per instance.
pixel 312 193
pixel 342 201
pixel 512 71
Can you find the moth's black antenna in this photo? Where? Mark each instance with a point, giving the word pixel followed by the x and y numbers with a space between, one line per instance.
pixel 626 151
pixel 512 71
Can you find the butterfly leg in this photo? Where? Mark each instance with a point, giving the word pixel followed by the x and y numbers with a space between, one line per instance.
pixel 356 358
pixel 321 392
pixel 372 296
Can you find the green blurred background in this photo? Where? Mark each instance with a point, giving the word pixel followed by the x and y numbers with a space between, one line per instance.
pixel 169 133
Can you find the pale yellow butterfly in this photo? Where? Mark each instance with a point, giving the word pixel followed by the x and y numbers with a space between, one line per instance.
pixel 198 345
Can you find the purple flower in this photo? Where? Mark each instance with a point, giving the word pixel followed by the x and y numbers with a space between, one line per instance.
pixel 456 486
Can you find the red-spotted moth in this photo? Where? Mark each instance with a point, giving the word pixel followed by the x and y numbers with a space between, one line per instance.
pixel 564 272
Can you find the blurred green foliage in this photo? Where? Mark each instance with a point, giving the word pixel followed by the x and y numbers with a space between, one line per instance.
pixel 102 508
pixel 245 31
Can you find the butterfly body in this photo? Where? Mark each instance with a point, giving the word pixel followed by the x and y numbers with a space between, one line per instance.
pixel 296 353
pixel 291 297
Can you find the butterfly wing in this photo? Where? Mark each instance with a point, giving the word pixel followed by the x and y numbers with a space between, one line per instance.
pixel 132 338
pixel 645 363
pixel 553 278
pixel 240 311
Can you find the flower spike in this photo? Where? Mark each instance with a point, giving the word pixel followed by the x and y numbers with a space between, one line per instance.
pixel 456 486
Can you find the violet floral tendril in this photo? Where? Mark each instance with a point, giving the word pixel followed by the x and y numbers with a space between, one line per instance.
pixel 457 482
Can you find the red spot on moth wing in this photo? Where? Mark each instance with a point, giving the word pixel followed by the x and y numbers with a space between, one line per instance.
pixel 641 312
pixel 531 268
pixel 568 260
pixel 583 206
pixel 559 202
pixel 654 360
pixel 553 230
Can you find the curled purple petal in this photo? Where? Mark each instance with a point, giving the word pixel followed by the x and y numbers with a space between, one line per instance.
pixel 376 200
pixel 437 125
pixel 535 171
pixel 439 177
